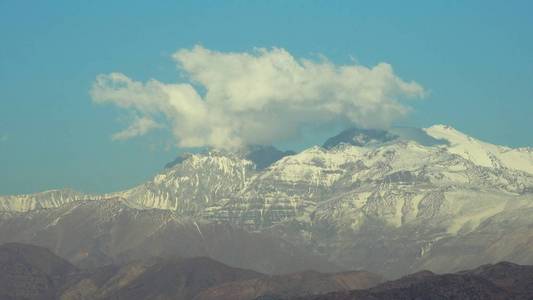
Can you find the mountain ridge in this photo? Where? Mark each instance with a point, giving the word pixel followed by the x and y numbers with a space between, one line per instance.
pixel 31 272
pixel 391 207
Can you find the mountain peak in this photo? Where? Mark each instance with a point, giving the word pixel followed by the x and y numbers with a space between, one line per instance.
pixel 264 156
pixel 360 137
pixel 261 155
pixel 178 160
pixel 482 153
pixel 448 133
pixel 443 127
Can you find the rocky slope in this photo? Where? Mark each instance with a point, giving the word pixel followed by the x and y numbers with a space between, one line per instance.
pixel 389 202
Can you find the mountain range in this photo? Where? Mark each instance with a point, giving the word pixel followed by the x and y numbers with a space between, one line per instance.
pixel 390 202
pixel 31 272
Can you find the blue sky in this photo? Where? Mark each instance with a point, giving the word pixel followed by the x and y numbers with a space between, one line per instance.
pixel 474 57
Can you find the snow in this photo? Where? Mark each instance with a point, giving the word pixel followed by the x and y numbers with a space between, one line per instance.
pixel 482 153
pixel 397 183
pixel 417 191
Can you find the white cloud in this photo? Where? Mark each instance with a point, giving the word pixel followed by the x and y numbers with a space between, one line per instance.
pixel 138 127
pixel 259 97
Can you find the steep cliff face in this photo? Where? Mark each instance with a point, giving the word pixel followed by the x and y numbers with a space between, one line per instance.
pixel 384 202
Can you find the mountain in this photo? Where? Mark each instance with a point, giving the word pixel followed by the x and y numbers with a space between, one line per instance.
pixel 484 154
pixel 360 137
pixel 43 200
pixel 97 233
pixel 264 156
pixel 29 272
pixel 390 202
pixel 179 279
pixel 261 156
pixel 491 282
pixel 377 137
pixel 291 285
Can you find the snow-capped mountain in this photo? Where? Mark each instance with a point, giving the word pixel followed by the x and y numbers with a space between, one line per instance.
pixel 481 153
pixel 43 200
pixel 386 201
